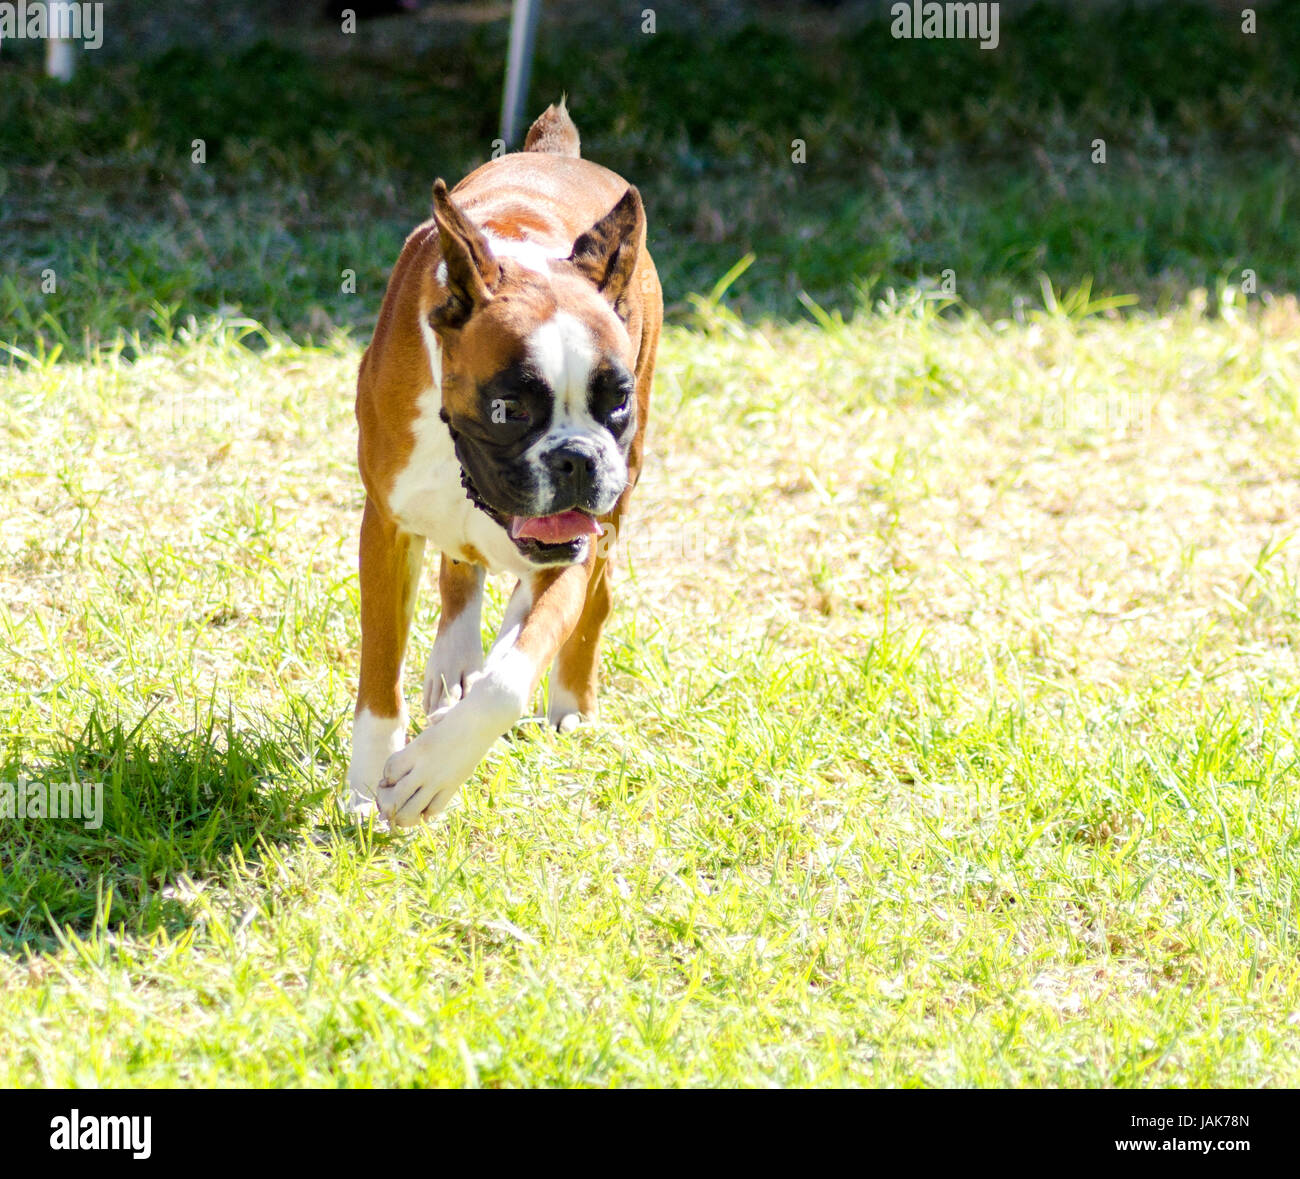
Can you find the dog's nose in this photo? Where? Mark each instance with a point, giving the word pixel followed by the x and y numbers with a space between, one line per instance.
pixel 573 472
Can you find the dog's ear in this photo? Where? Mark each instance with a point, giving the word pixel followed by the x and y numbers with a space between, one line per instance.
pixel 472 271
pixel 606 254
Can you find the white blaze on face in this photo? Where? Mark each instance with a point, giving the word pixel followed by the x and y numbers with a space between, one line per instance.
pixel 565 355
pixel 564 352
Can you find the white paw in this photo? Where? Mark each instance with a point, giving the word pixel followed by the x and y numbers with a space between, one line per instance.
pixel 562 709
pixel 359 806
pixel 420 780
pixel 374 740
pixel 457 656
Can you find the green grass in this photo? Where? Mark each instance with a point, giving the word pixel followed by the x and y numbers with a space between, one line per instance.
pixel 956 797
pixel 960 749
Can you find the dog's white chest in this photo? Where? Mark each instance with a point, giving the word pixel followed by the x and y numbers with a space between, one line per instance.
pixel 428 499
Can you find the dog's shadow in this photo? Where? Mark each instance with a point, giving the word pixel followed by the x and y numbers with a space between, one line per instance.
pixel 140 810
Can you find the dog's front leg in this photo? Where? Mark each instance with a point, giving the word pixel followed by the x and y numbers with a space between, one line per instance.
pixel 420 780
pixel 457 654
pixel 390 576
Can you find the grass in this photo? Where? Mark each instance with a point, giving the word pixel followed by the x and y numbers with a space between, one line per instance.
pixel 921 157
pixel 950 701
pixel 988 780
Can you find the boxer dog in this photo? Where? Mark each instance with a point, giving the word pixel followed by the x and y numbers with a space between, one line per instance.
pixel 502 407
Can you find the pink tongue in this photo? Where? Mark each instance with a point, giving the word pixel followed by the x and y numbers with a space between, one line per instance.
pixel 556 529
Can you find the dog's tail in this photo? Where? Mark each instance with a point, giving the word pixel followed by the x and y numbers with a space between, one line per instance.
pixel 554 133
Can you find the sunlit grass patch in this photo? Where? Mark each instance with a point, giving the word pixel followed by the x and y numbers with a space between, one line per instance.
pixel 958 748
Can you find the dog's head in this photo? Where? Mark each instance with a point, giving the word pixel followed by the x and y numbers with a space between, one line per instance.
pixel 537 375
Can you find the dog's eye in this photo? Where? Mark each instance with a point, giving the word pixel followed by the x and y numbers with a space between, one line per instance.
pixel 508 409
pixel 611 394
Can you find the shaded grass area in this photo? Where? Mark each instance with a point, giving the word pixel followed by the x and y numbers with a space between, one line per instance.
pixel 167 806
pixel 922 156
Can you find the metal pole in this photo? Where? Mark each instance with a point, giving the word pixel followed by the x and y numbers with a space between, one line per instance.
pixel 60 59
pixel 519 65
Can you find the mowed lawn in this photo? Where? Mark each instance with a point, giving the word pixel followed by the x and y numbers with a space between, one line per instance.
pixel 949 731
